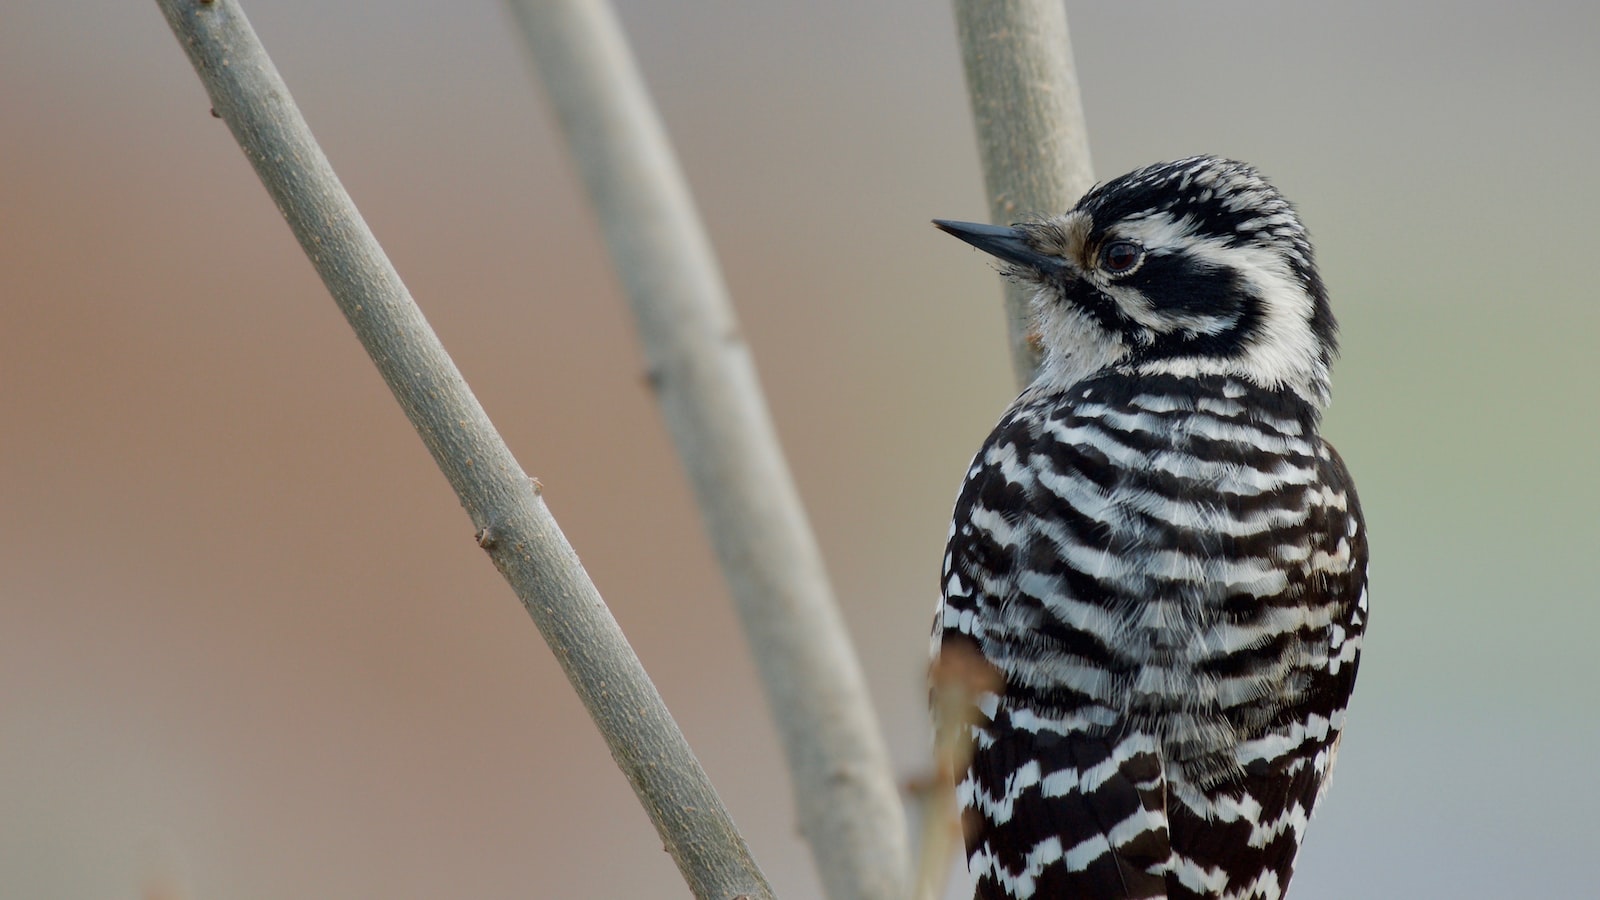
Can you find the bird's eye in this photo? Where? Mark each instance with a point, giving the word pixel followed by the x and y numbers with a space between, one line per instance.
pixel 1119 257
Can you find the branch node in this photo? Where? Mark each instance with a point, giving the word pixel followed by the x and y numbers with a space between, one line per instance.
pixel 486 537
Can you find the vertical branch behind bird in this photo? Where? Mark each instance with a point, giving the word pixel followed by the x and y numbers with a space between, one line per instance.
pixel 1032 139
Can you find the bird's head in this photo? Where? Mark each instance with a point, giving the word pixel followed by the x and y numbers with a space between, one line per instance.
pixel 1194 267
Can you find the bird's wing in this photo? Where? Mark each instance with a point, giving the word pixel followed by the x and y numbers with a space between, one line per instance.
pixel 1052 814
pixel 1239 838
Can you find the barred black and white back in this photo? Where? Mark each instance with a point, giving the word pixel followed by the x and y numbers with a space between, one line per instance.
pixel 1158 554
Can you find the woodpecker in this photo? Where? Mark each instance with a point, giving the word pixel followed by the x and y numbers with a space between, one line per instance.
pixel 1156 552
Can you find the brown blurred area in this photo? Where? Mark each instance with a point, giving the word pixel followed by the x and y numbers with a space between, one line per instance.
pixel 248 648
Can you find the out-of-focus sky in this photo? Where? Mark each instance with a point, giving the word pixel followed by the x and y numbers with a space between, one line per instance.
pixel 249 650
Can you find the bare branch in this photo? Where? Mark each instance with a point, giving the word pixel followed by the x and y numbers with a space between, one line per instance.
pixel 512 523
pixel 849 808
pixel 1031 135
pixel 1034 147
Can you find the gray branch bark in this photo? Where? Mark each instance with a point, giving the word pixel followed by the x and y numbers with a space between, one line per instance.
pixel 1034 148
pixel 848 803
pixel 512 523
pixel 1032 140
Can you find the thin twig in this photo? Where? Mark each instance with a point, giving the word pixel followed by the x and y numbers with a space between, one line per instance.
pixel 1031 135
pixel 849 809
pixel 512 523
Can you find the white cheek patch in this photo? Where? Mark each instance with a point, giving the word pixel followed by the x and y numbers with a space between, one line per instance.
pixel 1283 352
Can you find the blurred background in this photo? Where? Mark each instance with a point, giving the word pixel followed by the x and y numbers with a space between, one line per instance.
pixel 248 648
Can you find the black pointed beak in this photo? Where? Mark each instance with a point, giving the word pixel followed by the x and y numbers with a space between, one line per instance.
pixel 1009 244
